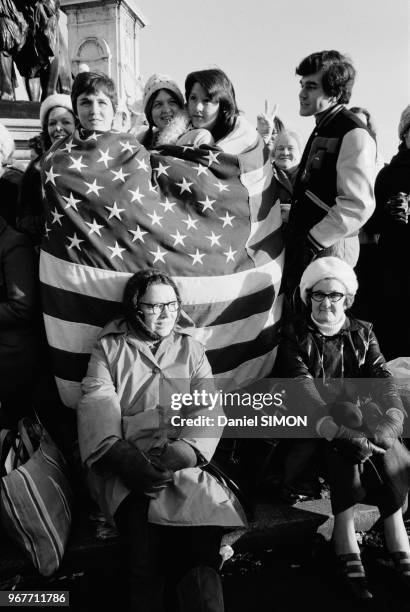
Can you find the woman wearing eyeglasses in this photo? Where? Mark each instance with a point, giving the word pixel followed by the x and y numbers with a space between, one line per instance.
pixel 144 468
pixel 341 381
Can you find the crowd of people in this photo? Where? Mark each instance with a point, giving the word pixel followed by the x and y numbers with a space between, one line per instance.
pixel 342 218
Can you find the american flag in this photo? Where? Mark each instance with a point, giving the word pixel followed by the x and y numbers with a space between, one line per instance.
pixel 206 217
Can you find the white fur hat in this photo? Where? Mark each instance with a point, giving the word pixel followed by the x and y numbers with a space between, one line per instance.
pixel 157 82
pixel 404 123
pixel 6 143
pixel 328 267
pixel 51 102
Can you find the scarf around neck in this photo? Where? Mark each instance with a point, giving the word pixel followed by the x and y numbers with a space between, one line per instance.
pixel 329 329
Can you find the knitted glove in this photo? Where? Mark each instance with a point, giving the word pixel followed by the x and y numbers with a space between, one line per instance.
pixel 354 445
pixel 178 455
pixel 388 428
pixel 136 470
pixel 397 207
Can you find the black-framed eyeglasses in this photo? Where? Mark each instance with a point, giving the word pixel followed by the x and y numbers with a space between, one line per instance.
pixel 159 308
pixel 319 296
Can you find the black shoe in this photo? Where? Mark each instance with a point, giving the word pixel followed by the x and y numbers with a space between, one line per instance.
pixel 351 572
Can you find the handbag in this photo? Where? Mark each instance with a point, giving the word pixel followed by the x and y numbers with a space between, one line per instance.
pixel 35 496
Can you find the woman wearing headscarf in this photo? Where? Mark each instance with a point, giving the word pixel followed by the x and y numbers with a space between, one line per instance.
pixel 325 352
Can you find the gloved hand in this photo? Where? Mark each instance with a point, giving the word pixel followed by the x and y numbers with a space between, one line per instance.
pixel 136 470
pixel 354 445
pixel 388 429
pixel 397 207
pixel 178 455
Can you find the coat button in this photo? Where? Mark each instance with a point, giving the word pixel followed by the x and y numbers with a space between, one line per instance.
pixel 156 370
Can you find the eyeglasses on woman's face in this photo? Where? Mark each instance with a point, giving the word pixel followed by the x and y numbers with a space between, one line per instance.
pixel 160 307
pixel 333 296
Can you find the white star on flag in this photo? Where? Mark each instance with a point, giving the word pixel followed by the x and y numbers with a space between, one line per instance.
pixel 138 234
pixel 152 187
pixel 184 186
pixel 214 239
pixel 221 186
pixel 161 169
pixel 201 170
pixel 227 219
pixel 212 158
pixel 179 238
pixel 47 230
pixel 142 164
pixel 230 255
pixel 168 205
pixel 94 227
pixel 68 146
pixel 94 136
pixel 197 257
pixel 105 157
pixel 155 219
pixel 56 216
pixel 158 255
pixel 77 163
pixel 93 187
pixel 127 146
pixel 207 203
pixel 115 211
pixel 119 175
pixel 116 251
pixel 71 201
pixel 51 176
pixel 136 195
pixel 190 222
pixel 75 242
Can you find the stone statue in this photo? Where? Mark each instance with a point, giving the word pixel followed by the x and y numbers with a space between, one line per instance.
pixel 30 37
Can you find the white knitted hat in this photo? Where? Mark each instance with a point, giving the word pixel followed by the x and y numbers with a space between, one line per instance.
pixel 160 81
pixel 51 102
pixel 328 267
pixel 404 123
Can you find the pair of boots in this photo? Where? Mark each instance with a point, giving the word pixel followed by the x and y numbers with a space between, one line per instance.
pixel 200 590
pixel 351 571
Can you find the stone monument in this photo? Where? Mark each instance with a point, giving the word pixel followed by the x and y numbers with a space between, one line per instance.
pixel 104 35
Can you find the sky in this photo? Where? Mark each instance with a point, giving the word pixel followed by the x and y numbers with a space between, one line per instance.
pixel 259 43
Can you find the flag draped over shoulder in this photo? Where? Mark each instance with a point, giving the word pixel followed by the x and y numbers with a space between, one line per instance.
pixel 206 217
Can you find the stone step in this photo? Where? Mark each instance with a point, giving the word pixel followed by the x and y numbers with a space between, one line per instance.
pixel 93 543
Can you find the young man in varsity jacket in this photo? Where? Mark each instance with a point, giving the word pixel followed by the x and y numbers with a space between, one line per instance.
pixel 333 194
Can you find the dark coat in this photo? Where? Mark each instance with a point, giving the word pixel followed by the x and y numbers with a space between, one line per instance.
pixel 310 359
pixel 394 238
pixel 304 353
pixel 18 310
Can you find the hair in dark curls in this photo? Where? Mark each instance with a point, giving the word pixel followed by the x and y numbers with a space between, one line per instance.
pixel 135 288
pixel 220 89
pixel 338 73
pixel 90 83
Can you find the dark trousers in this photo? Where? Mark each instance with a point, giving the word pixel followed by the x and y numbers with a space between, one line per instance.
pixel 156 557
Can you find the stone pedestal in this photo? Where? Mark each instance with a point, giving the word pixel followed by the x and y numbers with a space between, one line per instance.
pixel 22 119
pixel 105 35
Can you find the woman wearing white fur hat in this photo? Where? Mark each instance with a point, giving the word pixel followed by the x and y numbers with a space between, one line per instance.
pixel 168 121
pixel 326 352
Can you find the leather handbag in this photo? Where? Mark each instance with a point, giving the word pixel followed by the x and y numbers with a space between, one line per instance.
pixel 35 496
